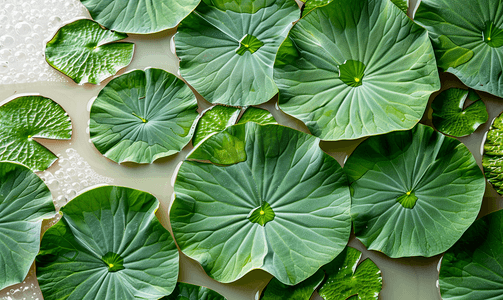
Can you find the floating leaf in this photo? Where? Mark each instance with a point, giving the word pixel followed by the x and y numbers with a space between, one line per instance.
pixel 451 118
pixel 220 117
pixel 85 52
pixel 492 160
pixel 139 16
pixel 355 68
pixel 24 202
pixel 227 48
pixel 142 116
pixel 28 117
pixel 347 278
pixel 472 268
pixel 468 37
pixel 254 164
pixel 108 245
pixel 276 290
pixel 185 291
pixel 414 192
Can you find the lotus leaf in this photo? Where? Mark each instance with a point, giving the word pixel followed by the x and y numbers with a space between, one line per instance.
pixel 270 199
pixel 472 268
pixel 276 290
pixel 468 37
pixel 185 291
pixel 312 4
pixel 220 117
pixel 85 52
pixel 356 68
pixel 24 202
pixel 108 245
pixel 136 16
pixel 142 116
pixel 28 117
pixel 414 193
pixel 227 48
pixel 451 118
pixel 492 160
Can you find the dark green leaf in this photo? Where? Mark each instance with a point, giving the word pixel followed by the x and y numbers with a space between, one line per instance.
pixel 28 117
pixel 185 291
pixel 387 173
pixel 85 52
pixel 492 160
pixel 99 229
pixel 142 116
pixel 276 290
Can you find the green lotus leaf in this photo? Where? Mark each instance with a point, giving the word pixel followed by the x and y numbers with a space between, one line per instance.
pixel 227 48
pixel 356 68
pixel 139 16
pixel 492 159
pixel 219 117
pixel 414 193
pixel 347 278
pixel 24 202
pixel 85 52
pixel 451 118
pixel 312 4
pixel 142 116
pixel 467 36
pixel 472 268
pixel 108 245
pixel 300 192
pixel 185 291
pixel 276 290
pixel 28 117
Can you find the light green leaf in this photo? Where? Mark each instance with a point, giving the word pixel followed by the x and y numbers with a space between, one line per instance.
pixel 467 36
pixel 304 187
pixel 356 68
pixel 347 278
pixel 142 116
pixel 214 59
pixel 185 291
pixel 472 268
pixel 136 16
pixel 28 117
pixel 257 115
pixel 85 52
pixel 216 119
pixel 492 159
pixel 312 4
pixel 420 163
pixel 100 228
pixel 451 118
pixel 24 202
pixel 276 290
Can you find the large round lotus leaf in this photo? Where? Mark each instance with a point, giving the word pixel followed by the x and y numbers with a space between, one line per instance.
pixel 468 37
pixel 185 291
pixel 270 199
pixel 347 278
pixel 220 117
pixel 414 192
pixel 142 116
pixel 24 202
pixel 227 48
pixel 28 117
pixel 85 52
pixel 451 118
pixel 473 268
pixel 138 16
pixel 492 160
pixel 355 68
pixel 108 245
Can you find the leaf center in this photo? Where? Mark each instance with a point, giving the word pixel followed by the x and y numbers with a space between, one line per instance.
pixel 113 261
pixel 142 119
pixel 492 35
pixel 262 214
pixel 407 200
pixel 249 43
pixel 352 73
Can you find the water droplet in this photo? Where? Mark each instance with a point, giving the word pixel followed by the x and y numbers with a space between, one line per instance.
pixel 6 41
pixel 23 28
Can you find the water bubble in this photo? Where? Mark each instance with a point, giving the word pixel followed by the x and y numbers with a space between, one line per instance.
pixel 71 152
pixel 4 19
pixel 6 41
pixel 53 184
pixel 59 174
pixel 20 56
pixel 20 77
pixel 23 28
pixel 4 66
